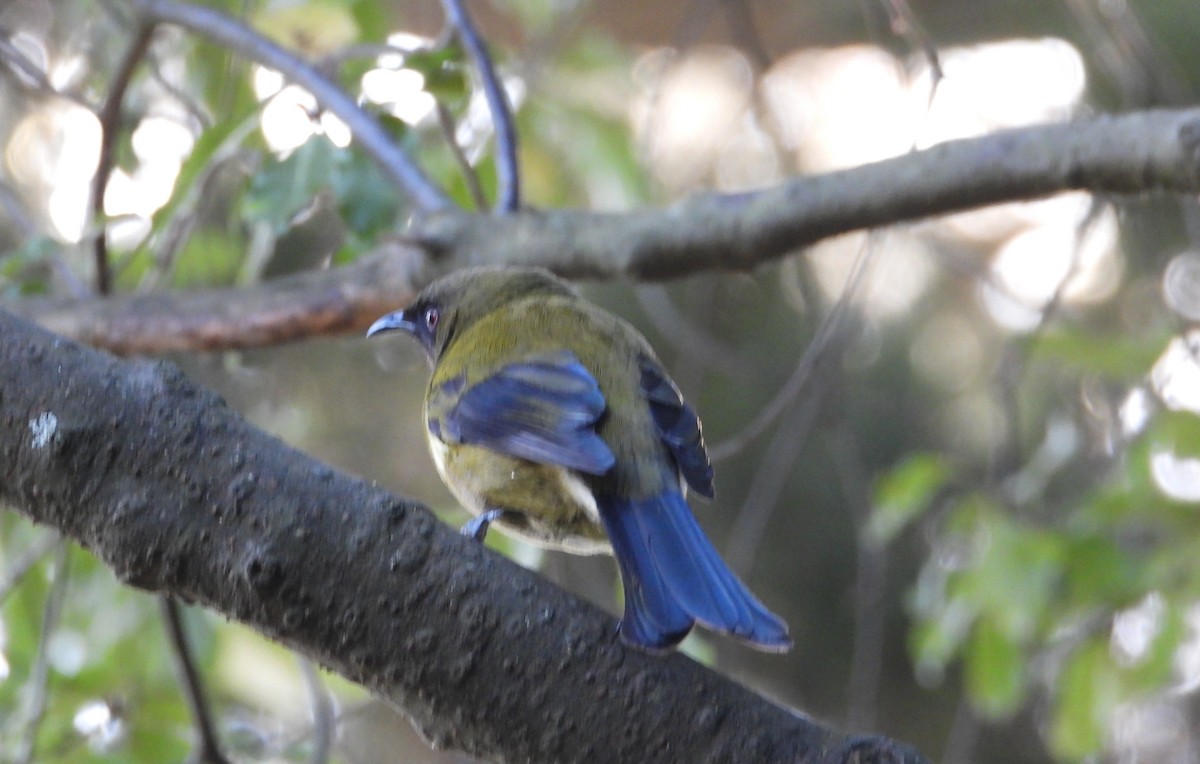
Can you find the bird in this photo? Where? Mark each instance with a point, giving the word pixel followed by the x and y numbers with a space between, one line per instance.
pixel 554 420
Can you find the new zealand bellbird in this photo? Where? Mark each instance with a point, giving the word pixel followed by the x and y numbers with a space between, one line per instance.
pixel 555 420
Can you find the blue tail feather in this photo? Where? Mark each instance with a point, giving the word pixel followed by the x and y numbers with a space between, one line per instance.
pixel 674 577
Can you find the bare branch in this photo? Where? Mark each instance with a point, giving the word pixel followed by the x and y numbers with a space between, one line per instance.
pixel 19 569
pixel 290 308
pixel 1130 154
pixel 110 123
pixel 324 715
pixel 470 177
pixel 208 750
pixel 38 684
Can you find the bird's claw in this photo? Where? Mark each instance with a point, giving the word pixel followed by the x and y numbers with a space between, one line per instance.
pixel 477 527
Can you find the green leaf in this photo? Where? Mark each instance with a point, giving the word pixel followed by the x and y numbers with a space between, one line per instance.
pixel 995 670
pixel 1088 693
pixel 1178 431
pixel 24 271
pixel 937 637
pixel 904 493
pixel 1017 575
pixel 283 189
pixel 313 28
pixel 367 202
pixel 210 258
pixel 372 22
pixel 1098 572
pixel 1125 357
pixel 445 72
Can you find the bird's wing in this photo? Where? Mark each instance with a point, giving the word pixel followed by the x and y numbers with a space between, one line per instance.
pixel 678 426
pixel 543 409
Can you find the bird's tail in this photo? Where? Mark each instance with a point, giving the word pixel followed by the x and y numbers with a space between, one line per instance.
pixel 674 577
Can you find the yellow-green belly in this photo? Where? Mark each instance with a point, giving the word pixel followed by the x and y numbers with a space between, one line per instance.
pixel 554 507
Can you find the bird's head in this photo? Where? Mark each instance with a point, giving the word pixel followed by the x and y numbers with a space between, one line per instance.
pixel 456 301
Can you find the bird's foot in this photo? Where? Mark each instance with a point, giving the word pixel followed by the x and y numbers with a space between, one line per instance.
pixel 477 527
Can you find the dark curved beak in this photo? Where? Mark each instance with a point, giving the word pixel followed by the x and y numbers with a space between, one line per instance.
pixel 397 320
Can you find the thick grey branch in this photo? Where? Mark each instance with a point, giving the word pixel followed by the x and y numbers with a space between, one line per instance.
pixel 1129 154
pixel 180 496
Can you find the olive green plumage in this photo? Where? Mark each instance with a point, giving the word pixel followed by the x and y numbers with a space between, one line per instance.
pixel 553 418
pixel 497 318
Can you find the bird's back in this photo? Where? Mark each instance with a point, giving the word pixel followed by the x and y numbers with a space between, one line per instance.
pixel 608 348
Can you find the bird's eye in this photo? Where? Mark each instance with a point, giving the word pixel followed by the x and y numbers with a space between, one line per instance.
pixel 431 317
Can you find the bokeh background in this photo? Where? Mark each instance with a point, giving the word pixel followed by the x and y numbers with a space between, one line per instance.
pixel 958 455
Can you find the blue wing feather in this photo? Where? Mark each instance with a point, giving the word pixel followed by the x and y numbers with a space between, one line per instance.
pixel 544 409
pixel 674 577
pixel 678 427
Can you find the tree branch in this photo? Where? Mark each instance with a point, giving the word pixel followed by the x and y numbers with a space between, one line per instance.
pixel 508 171
pixel 208 744
pixel 290 308
pixel 180 496
pixel 1128 154
pixel 240 39
pixel 110 124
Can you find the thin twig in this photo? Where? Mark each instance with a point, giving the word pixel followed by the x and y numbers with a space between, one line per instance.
pixel 244 41
pixel 324 717
pixel 209 747
pixel 470 177
pixel 690 340
pixel 21 567
pixel 797 414
pixel 963 739
pixel 19 218
pixel 905 25
pixel 120 17
pixel 39 675
pixel 832 327
pixel 507 169
pixel 1004 459
pixel 771 477
pixel 26 72
pixel 870 580
pixel 745 33
pixel 181 96
pixel 29 76
pixel 110 120
pixel 334 60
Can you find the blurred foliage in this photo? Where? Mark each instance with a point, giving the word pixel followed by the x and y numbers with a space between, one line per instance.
pixel 1034 578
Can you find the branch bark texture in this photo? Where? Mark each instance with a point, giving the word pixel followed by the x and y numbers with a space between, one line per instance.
pixel 179 495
